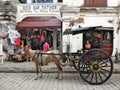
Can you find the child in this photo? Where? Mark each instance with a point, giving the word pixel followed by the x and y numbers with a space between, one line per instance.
pixel 87 46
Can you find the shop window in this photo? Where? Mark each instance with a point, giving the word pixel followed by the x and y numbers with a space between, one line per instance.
pixel 87 37
pixel 96 42
pixel 36 1
pixel 94 38
pixel 107 43
pixel 60 1
pixel 23 1
pixel 48 1
pixel 44 1
pixel 107 37
pixel 95 3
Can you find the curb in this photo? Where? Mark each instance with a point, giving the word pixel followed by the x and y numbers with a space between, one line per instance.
pixel 44 71
pixel 31 71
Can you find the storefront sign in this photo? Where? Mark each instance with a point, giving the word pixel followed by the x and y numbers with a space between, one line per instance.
pixel 36 8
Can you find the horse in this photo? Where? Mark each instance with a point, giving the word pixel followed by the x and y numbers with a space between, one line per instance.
pixel 53 56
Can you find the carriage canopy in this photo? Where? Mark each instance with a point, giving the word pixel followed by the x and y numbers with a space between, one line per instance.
pixel 84 29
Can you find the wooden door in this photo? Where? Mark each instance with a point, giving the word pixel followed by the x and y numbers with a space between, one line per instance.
pixel 107 42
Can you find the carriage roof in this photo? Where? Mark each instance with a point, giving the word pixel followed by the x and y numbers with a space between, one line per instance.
pixel 84 29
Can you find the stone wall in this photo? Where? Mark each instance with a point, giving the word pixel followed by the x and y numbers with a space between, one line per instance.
pixel 7 13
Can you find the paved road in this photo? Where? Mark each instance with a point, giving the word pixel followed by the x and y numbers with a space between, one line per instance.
pixel 71 81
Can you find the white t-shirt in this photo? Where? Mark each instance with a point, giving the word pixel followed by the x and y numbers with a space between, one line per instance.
pixel 12 35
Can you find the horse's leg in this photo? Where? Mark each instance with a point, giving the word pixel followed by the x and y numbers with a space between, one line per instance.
pixel 57 77
pixel 37 67
pixel 40 71
pixel 37 71
pixel 59 74
pixel 53 58
pixel 56 60
pixel 60 77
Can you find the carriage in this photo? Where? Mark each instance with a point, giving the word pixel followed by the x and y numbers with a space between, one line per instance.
pixel 95 66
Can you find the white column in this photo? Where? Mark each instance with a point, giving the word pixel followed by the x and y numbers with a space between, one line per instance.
pixel 55 1
pixel 29 1
pixel 1 51
pixel 54 39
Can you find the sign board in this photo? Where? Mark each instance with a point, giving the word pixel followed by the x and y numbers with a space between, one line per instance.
pixel 37 9
pixel 28 8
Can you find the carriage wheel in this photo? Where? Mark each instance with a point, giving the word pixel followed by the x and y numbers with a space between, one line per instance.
pixel 95 66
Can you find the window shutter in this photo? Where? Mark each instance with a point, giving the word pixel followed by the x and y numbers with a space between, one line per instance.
pixel 95 3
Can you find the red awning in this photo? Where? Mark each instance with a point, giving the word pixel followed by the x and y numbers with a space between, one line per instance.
pixel 38 22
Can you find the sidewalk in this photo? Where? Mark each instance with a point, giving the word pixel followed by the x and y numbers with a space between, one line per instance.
pixel 9 66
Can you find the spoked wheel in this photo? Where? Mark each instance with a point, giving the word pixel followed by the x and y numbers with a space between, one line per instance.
pixel 95 66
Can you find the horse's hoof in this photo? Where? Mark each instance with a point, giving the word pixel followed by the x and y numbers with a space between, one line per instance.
pixel 36 78
pixel 40 76
pixel 41 64
pixel 60 78
pixel 56 78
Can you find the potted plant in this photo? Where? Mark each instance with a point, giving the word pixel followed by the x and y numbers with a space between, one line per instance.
pixel 116 56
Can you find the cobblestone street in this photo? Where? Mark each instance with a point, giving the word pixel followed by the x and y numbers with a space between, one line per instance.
pixel 20 76
pixel 71 81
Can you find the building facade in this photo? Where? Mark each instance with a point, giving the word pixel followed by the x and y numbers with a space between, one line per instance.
pixel 8 14
pixel 55 16
pixel 89 13
pixel 7 20
pixel 106 14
